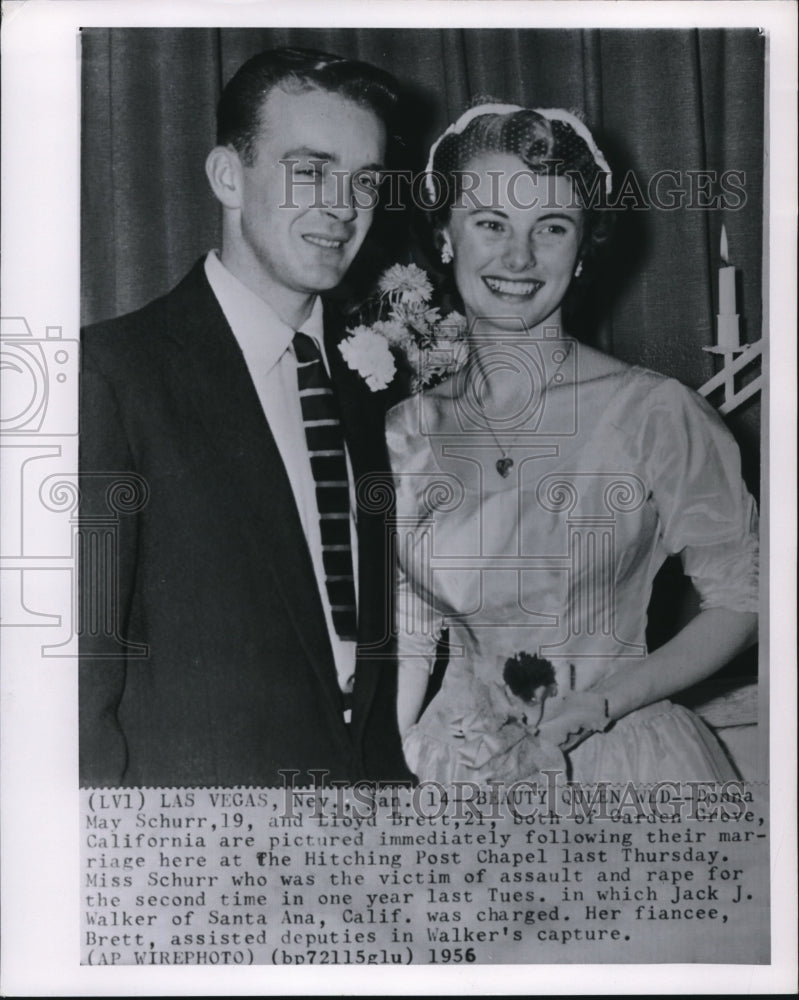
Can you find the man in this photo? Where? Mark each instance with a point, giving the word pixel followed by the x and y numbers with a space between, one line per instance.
pixel 263 650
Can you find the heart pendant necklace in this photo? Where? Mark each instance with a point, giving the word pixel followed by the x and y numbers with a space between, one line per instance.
pixel 504 465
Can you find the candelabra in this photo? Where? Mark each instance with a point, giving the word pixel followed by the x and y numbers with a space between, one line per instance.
pixel 736 356
pixel 735 360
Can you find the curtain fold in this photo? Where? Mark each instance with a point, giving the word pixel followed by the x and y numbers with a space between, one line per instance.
pixel 687 101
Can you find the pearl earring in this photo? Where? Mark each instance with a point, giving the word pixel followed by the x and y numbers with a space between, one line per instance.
pixel 446 253
pixel 579 269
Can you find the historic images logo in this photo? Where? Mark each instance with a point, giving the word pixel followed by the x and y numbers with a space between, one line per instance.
pixel 44 541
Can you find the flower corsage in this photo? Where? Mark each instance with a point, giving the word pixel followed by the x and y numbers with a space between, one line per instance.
pixel 408 330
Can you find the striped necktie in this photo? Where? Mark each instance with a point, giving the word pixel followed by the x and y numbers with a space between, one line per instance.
pixel 326 448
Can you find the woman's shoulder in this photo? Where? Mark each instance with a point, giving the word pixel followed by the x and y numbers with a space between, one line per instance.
pixel 611 388
pixel 630 382
pixel 672 395
pixel 408 426
pixel 646 407
pixel 422 409
pixel 404 415
pixel 659 416
pixel 592 363
pixel 595 365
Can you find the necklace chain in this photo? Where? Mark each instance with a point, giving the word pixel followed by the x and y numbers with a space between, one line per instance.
pixel 505 463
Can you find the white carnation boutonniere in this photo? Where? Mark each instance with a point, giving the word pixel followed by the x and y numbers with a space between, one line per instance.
pixel 368 353
pixel 408 330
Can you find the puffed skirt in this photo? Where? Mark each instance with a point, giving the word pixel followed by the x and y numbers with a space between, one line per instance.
pixel 661 742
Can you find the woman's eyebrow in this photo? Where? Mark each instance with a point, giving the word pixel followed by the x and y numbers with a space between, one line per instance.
pixel 547 216
pixel 478 209
pixel 565 216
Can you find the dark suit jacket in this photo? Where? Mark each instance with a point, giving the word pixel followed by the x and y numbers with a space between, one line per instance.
pixel 213 573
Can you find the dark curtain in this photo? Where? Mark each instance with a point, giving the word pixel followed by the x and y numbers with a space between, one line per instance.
pixel 681 100
pixel 688 101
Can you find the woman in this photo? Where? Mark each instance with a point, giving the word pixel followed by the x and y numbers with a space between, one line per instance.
pixel 565 478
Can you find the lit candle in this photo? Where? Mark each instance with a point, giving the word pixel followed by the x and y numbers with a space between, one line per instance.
pixel 728 314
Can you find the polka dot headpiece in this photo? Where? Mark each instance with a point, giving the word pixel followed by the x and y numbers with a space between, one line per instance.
pixel 550 114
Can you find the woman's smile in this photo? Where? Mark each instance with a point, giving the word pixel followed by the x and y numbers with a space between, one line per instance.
pixel 512 288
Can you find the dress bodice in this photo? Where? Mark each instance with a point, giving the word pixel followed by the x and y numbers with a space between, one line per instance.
pixel 610 475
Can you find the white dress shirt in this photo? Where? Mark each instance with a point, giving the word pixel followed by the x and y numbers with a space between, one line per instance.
pixel 266 342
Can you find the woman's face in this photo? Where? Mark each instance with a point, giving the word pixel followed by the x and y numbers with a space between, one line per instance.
pixel 515 240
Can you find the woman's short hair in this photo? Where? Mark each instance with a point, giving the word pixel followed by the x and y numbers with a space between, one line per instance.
pixel 297 71
pixel 549 147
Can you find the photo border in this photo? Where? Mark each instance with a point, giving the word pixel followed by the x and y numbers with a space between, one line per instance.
pixel 40 281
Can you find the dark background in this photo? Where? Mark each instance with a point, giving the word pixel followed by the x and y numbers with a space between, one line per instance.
pixel 655 99
pixel 683 100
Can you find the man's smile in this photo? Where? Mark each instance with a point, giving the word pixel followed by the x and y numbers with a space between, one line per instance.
pixel 325 242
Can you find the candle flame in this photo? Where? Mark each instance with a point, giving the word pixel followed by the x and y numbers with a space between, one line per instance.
pixel 725 252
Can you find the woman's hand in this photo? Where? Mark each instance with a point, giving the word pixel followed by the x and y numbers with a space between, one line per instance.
pixel 706 643
pixel 509 706
pixel 569 720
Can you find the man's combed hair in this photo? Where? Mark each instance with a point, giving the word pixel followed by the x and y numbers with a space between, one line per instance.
pixel 297 71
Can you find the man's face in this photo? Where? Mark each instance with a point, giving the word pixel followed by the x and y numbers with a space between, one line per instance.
pixel 303 222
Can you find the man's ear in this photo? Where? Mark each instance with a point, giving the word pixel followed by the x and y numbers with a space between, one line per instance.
pixel 224 170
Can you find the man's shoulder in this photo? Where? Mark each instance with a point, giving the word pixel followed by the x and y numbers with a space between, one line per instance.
pixel 143 329
pixel 126 330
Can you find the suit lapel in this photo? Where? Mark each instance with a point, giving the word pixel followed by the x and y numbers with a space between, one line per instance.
pixel 213 373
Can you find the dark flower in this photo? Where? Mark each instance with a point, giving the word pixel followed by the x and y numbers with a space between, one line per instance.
pixel 525 674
